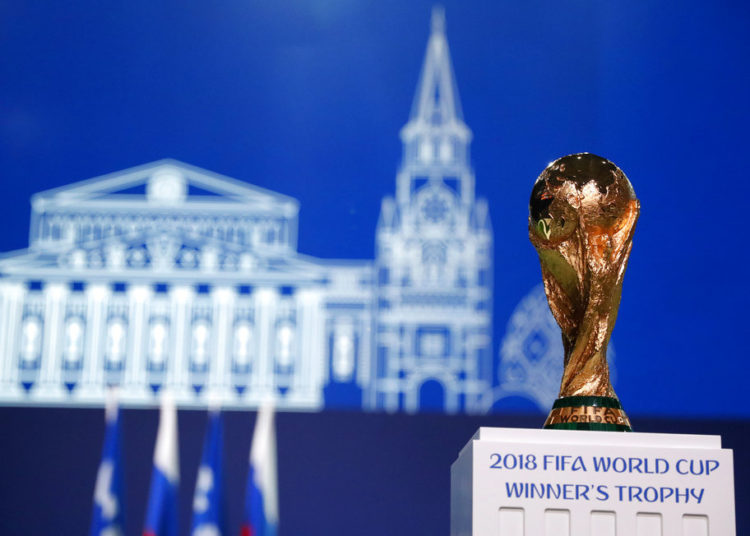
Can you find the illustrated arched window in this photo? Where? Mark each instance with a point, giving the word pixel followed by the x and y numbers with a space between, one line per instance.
pixel 432 395
pixel 247 262
pixel 343 352
pixel 209 259
pixel 114 348
pixel 74 341
pixel 285 344
pixel 434 258
pixel 446 151
pixel 200 342
pixel 426 151
pixel 242 343
pixel 157 341
pixel 78 259
pixel 257 233
pixel 271 234
pixel 31 339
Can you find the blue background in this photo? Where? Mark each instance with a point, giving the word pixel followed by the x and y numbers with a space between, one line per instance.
pixel 307 98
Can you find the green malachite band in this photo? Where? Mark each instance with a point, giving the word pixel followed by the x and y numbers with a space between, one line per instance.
pixel 600 426
pixel 595 401
pixel 601 413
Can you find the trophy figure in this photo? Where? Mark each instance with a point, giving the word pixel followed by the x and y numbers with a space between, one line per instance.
pixel 582 215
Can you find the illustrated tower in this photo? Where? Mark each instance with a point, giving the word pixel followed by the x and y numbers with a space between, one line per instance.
pixel 433 259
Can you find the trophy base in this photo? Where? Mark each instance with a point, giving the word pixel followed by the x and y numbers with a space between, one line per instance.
pixel 602 413
pixel 488 498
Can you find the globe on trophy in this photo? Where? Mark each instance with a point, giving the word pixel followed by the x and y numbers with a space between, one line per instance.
pixel 582 215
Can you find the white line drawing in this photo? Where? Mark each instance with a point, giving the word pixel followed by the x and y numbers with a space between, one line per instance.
pixel 170 277
pixel 434 259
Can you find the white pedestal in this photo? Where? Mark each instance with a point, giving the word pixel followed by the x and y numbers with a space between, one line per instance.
pixel 517 482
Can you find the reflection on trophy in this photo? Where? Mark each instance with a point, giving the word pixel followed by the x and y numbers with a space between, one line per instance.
pixel 582 215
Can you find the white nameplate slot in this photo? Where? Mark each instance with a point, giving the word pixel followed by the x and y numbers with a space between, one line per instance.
pixel 514 482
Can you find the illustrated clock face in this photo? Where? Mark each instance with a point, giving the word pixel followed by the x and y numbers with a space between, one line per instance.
pixel 434 208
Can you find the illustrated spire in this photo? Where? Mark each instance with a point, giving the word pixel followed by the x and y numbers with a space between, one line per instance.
pixel 438 19
pixel 436 101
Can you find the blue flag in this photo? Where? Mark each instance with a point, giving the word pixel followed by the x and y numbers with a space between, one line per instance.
pixel 161 516
pixel 108 517
pixel 208 501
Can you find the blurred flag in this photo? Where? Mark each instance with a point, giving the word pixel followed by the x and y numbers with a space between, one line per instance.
pixel 208 501
pixel 261 496
pixel 108 516
pixel 161 516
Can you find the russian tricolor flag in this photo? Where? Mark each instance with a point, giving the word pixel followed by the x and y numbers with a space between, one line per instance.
pixel 261 496
pixel 161 516
pixel 108 515
pixel 208 500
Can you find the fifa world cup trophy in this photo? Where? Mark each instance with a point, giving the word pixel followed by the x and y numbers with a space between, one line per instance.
pixel 582 215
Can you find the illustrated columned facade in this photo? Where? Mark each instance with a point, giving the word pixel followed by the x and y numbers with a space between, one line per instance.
pixel 167 276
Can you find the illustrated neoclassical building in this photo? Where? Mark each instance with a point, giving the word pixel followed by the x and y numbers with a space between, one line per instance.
pixel 167 276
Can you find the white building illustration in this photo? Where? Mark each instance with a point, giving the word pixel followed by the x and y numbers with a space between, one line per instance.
pixel 434 258
pixel 170 276
pixel 167 276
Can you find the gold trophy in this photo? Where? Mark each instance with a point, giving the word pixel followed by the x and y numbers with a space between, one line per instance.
pixel 582 215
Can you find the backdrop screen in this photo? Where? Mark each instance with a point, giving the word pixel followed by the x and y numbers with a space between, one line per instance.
pixel 327 203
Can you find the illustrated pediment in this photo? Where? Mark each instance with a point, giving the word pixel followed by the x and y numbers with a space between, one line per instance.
pixel 162 183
